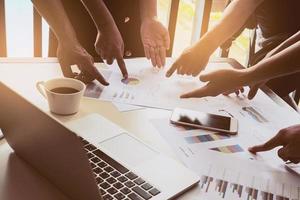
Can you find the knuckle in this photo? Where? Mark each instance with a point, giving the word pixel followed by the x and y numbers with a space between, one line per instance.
pixel 282 132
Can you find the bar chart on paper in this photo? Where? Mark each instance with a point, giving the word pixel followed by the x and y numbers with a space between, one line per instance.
pixel 223 178
pixel 228 149
pixel 149 87
pixel 205 138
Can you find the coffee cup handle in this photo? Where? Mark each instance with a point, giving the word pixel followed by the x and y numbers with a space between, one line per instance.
pixel 41 88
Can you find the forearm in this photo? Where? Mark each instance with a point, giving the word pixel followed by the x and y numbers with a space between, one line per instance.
pixel 234 17
pixel 290 41
pixel 54 13
pixel 99 13
pixel 283 63
pixel 148 9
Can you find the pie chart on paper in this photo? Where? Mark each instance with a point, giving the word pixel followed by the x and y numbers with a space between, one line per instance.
pixel 131 81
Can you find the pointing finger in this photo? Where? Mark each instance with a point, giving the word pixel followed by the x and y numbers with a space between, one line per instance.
pixel 66 69
pixel 202 92
pixel 276 141
pixel 173 68
pixel 93 71
pixel 122 66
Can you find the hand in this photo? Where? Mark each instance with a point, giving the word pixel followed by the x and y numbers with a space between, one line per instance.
pixel 109 45
pixel 192 61
pixel 219 82
pixel 156 41
pixel 75 54
pixel 289 139
pixel 252 92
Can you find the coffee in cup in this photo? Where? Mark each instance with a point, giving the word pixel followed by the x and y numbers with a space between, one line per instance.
pixel 63 94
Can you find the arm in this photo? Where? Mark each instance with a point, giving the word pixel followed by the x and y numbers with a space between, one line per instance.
pixel 154 35
pixel 194 59
pixel 99 13
pixel 54 14
pixel 69 51
pixel 148 9
pixel 285 62
pixel 234 17
pixel 289 141
pixel 293 39
pixel 109 43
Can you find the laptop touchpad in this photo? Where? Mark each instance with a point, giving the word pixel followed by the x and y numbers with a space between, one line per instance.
pixel 128 150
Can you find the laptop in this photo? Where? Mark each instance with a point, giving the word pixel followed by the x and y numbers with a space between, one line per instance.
pixel 93 158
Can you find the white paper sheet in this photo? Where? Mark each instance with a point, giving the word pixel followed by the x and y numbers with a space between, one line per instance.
pixel 148 87
pixel 233 178
pixel 122 107
pixel 189 143
pixel 237 175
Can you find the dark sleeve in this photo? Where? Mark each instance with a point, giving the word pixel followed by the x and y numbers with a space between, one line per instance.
pixel 126 14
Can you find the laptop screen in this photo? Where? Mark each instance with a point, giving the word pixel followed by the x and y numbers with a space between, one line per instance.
pixel 53 150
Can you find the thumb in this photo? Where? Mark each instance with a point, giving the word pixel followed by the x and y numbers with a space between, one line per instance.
pixel 208 76
pixel 174 67
pixel 277 140
pixel 253 91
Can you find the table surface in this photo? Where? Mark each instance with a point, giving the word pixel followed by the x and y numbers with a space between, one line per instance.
pixel 23 79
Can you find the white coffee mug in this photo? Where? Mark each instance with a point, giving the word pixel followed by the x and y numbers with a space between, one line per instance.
pixel 62 102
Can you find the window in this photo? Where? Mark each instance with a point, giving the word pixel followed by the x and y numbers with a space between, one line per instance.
pixel 19 29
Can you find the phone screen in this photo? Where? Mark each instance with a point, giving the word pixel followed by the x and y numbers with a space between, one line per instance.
pixel 201 119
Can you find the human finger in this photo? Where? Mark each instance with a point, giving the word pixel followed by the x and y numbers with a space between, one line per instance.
pixel 253 91
pixel 122 66
pixel 189 72
pixel 147 51
pixel 236 91
pixel 173 68
pixel 276 141
pixel 295 161
pixel 180 70
pixel 110 60
pixel 208 76
pixel 282 154
pixel 162 54
pixel 157 57
pixel 198 93
pixel 92 70
pixel 84 76
pixel 66 69
pixel 152 56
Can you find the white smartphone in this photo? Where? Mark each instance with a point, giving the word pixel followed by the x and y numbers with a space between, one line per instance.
pixel 204 121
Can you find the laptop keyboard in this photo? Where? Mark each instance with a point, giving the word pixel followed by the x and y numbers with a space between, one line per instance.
pixel 114 180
